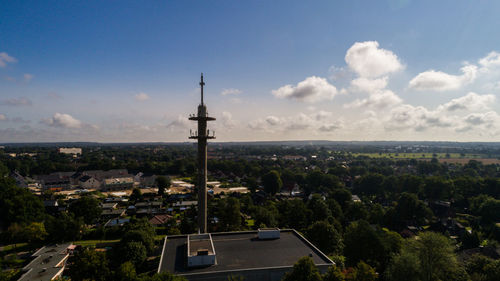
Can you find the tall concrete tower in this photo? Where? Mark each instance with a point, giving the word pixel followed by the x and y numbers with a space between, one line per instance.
pixel 202 135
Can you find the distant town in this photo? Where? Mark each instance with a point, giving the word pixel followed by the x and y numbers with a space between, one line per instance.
pixel 111 209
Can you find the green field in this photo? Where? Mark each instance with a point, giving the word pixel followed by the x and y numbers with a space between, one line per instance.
pixel 12 247
pixel 94 243
pixel 394 155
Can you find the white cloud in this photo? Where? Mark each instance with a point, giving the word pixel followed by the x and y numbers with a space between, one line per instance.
pixel 311 123
pixel 141 97
pixel 28 77
pixel 432 80
pixel 481 123
pixel 17 102
pixel 230 91
pixel 368 60
pixel 367 85
pixel 491 60
pixel 63 120
pixel 471 101
pixel 273 120
pixel 181 122
pixel 330 127
pixel 299 122
pixel 5 59
pixel 417 118
pixel 339 73
pixel 320 115
pixel 3 117
pixel 481 118
pixel 312 89
pixel 227 120
pixel 380 99
pixel 258 125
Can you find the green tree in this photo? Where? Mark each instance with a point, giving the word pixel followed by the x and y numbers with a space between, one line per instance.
pixel 362 242
pixel 15 232
pixel 334 273
pixel 490 210
pixel 404 266
pixel 132 251
pixel 229 213
pixel 136 195
pixel 364 272
pixel 265 215
pixel 437 188
pixel 88 264
pixel 126 272
pixel 293 214
pixel 272 182
pixel 87 207
pixel 482 268
pixel 162 182
pixel 436 255
pixel 303 270
pixel 140 236
pixel 370 184
pixel 34 232
pixel 252 184
pixel 409 207
pixel 325 237
pixel 430 257
pixel 342 196
pixel 319 208
pixel 18 204
pixel 64 227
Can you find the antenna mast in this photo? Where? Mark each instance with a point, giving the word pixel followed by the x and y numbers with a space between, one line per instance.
pixel 202 84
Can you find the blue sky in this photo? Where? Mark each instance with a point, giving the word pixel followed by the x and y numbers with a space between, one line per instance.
pixel 118 71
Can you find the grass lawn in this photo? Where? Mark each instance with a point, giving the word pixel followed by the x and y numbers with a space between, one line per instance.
pixel 93 243
pixel 10 247
pixel 250 222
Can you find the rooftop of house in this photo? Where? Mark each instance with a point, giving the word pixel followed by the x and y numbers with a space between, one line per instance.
pixel 185 203
pixel 49 262
pixel 148 204
pixel 111 205
pixel 241 251
pixel 160 219
pixel 112 181
pixel 115 173
pixel 112 212
pixel 85 178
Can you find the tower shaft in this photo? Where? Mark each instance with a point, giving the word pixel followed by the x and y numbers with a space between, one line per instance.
pixel 202 170
pixel 202 135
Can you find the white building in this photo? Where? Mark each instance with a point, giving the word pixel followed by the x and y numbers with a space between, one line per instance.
pixel 70 150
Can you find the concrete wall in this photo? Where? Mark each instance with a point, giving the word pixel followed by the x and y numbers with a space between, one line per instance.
pixel 264 274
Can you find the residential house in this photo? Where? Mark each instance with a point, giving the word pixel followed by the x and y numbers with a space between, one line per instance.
pixel 160 219
pixel 112 213
pixel 71 150
pixel 51 206
pixel 89 182
pixel 56 181
pixel 49 263
pixel 118 183
pixel 148 208
pixel 20 181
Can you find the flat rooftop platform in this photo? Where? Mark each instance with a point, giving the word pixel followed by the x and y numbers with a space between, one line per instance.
pixel 237 251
